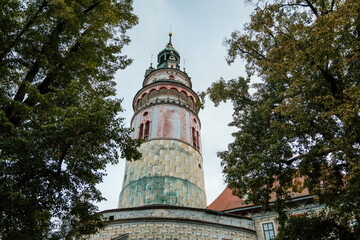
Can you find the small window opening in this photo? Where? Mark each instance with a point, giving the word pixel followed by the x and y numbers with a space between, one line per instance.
pixel 111 218
pixel 269 232
pixel 147 130
pixel 141 130
pixel 195 138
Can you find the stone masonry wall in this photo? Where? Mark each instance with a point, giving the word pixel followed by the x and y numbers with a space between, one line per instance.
pixel 160 230
pixel 170 172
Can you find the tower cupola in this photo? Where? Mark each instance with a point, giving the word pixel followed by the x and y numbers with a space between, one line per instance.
pixel 169 57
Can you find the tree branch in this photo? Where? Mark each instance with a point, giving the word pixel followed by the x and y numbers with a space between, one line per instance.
pixel 45 84
pixel 336 92
pixel 62 157
pixel 251 49
pixel 313 9
pixel 332 5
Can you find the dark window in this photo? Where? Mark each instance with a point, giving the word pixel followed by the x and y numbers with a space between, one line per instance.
pixel 198 140
pixel 269 232
pixel 147 130
pixel 195 138
pixel 111 218
pixel 141 130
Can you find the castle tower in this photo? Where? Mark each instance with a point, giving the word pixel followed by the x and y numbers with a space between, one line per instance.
pixel 166 117
pixel 163 193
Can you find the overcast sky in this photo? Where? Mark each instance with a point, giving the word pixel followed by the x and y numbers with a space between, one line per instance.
pixel 199 28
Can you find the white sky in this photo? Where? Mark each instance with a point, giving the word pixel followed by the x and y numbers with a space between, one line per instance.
pixel 199 28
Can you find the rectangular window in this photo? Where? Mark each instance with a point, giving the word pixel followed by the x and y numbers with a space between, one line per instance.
pixel 269 232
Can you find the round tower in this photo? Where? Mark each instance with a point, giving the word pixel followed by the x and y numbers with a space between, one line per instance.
pixel 166 117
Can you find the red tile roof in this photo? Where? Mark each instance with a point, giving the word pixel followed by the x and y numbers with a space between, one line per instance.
pixel 226 200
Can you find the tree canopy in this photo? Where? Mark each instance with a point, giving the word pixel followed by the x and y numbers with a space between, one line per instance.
pixel 59 123
pixel 314 226
pixel 302 119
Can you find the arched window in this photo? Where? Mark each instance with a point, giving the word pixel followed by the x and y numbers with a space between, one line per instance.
pixel 195 138
pixel 144 130
pixel 138 103
pixel 141 130
pixel 147 131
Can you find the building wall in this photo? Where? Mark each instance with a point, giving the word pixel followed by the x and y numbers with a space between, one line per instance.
pixel 166 75
pixel 152 230
pixel 175 223
pixel 259 226
pixel 261 217
pixel 168 121
pixel 170 172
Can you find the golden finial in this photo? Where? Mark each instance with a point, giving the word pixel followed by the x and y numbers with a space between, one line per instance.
pixel 150 67
pixel 170 44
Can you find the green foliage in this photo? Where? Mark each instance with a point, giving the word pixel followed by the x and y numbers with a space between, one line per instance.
pixel 302 120
pixel 59 123
pixel 314 226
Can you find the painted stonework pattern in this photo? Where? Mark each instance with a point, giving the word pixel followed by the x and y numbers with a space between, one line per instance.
pixel 170 172
pixel 175 223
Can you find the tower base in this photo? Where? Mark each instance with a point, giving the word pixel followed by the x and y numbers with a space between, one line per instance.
pixel 171 222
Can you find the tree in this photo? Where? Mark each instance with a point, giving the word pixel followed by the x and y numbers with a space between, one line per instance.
pixel 59 123
pixel 314 226
pixel 302 119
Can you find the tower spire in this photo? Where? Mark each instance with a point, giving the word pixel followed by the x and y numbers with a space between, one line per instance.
pixel 169 44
